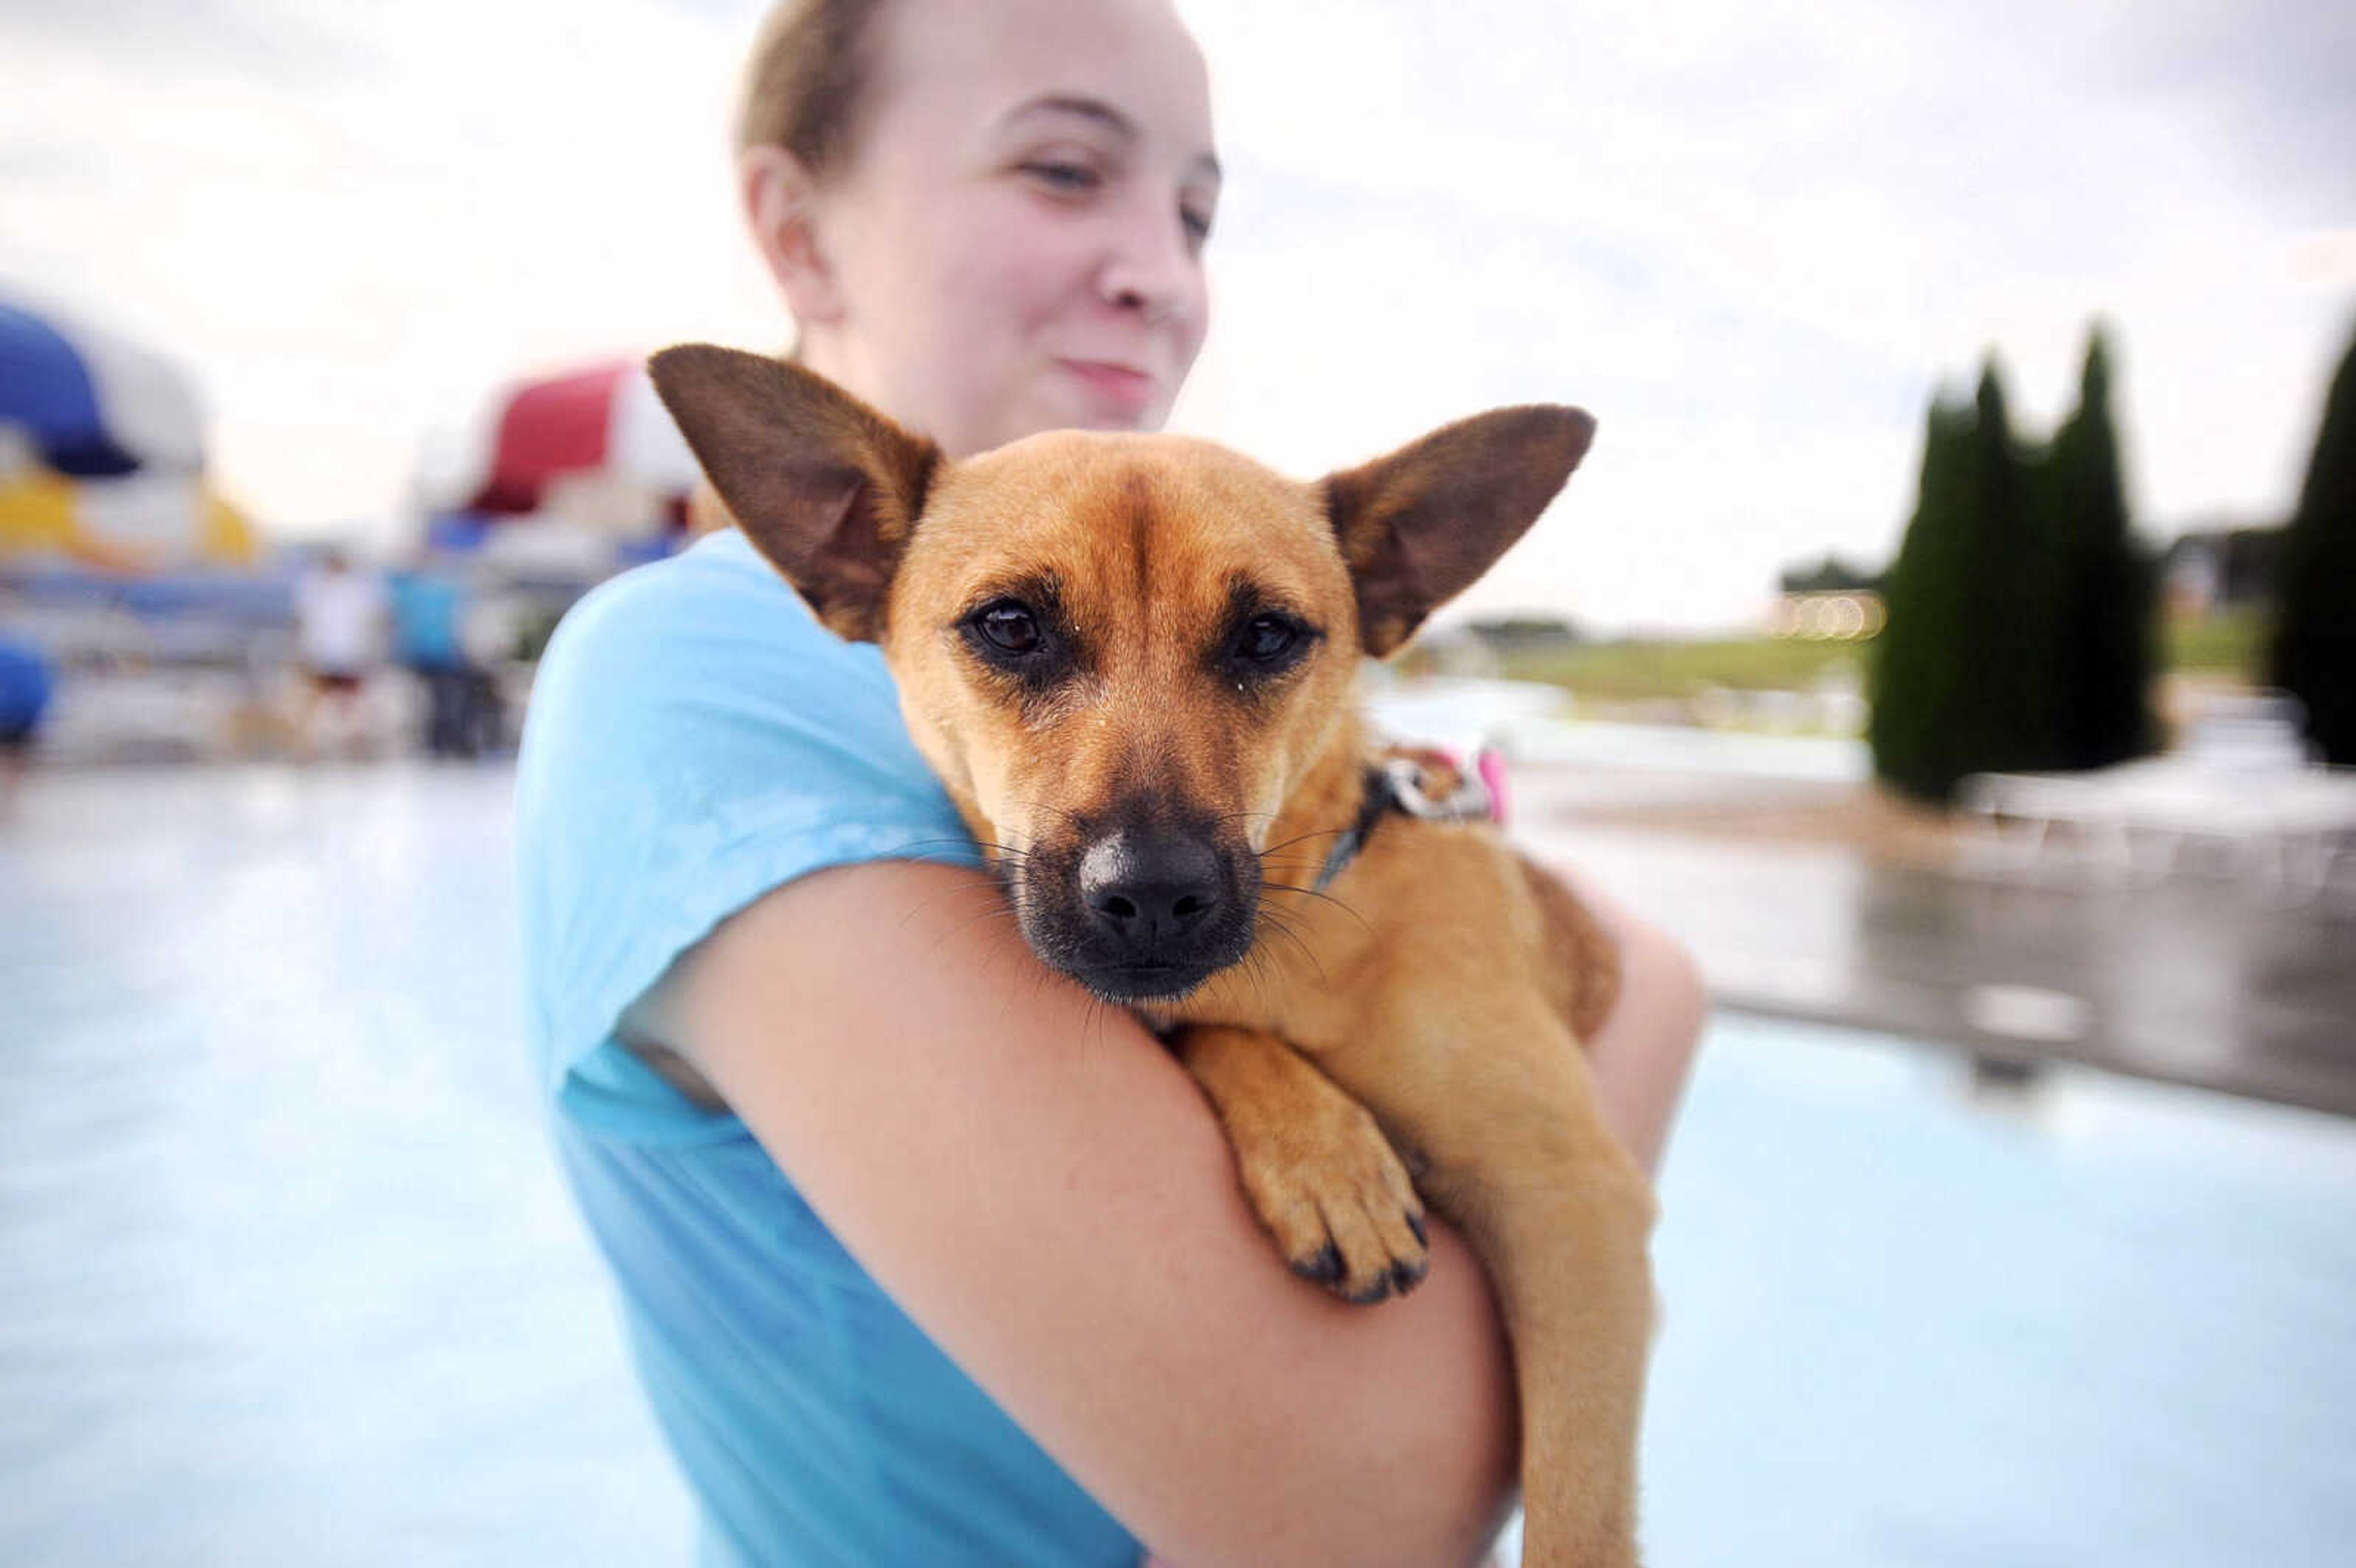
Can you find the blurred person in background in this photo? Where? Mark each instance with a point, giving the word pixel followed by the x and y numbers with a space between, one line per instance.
pixel 341 624
pixel 431 611
pixel 924 1256
pixel 490 637
pixel 25 691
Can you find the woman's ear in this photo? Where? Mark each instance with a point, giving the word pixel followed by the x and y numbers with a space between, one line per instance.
pixel 780 207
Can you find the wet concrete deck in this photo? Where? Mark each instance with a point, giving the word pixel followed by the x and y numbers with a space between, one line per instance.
pixel 2199 980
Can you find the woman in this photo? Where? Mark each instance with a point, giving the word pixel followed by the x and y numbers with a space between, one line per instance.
pixel 1038 1324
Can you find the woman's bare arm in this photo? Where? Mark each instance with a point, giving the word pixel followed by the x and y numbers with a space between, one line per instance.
pixel 1042 1187
pixel 1645 1051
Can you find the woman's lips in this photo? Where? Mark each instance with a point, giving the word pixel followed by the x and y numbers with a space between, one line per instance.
pixel 1118 386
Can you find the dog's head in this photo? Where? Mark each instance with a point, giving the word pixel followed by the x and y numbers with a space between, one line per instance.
pixel 1120 653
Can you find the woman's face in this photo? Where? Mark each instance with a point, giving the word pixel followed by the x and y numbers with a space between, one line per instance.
pixel 1015 242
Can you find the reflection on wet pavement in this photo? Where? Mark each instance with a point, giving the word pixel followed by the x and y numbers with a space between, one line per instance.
pixel 2188 981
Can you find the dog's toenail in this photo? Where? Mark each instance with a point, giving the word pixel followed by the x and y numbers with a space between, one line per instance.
pixel 1324 1266
pixel 1414 1223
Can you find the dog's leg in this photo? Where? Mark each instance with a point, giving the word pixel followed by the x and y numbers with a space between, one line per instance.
pixel 1519 1157
pixel 1317 1168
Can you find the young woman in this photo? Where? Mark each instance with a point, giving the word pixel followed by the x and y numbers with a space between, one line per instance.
pixel 924 1257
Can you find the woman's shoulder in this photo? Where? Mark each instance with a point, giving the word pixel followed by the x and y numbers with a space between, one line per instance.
pixel 717 594
pixel 694 739
pixel 699 693
pixel 710 639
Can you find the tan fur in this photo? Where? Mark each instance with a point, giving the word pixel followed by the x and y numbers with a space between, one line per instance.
pixel 1421 1016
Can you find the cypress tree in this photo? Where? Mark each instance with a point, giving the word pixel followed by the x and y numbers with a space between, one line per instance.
pixel 2314 650
pixel 2108 586
pixel 2011 718
pixel 1965 675
pixel 1907 678
pixel 1916 673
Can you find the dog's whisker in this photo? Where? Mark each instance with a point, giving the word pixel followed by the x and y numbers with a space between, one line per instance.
pixel 985 917
pixel 1323 897
pixel 990 894
pixel 994 909
pixel 1254 968
pixel 1270 974
pixel 1278 849
pixel 1284 928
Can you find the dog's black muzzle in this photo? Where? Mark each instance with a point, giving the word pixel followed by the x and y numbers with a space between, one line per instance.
pixel 1141 913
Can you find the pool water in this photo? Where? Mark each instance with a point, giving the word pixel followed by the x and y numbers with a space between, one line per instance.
pixel 290 1278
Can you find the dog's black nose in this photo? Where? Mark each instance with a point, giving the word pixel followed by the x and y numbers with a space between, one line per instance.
pixel 1149 890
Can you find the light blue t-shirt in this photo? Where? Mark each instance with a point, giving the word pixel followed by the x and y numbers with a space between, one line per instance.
pixel 696 738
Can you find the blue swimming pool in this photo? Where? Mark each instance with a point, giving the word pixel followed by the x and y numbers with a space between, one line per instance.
pixel 290 1278
pixel 2111 1325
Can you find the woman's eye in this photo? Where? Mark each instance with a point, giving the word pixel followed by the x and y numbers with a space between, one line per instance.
pixel 1008 627
pixel 1267 638
pixel 1061 175
pixel 1196 224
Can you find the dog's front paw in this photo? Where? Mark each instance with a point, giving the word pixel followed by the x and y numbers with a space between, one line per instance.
pixel 1343 1211
pixel 1317 1168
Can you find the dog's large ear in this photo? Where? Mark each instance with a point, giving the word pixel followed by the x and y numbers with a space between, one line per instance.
pixel 1419 525
pixel 825 487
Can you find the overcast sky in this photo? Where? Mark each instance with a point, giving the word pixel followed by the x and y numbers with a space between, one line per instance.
pixel 1752 240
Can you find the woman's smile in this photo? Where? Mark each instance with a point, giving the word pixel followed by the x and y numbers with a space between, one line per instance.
pixel 1119 389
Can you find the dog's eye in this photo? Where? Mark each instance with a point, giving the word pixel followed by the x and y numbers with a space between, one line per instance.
pixel 1008 626
pixel 1267 638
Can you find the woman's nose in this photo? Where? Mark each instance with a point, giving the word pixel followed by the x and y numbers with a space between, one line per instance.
pixel 1150 265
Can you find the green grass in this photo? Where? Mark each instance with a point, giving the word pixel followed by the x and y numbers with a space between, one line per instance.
pixel 1637 671
pixel 1633 671
pixel 2233 644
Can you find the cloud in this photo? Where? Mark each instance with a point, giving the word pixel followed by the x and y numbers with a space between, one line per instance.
pixel 248 40
pixel 1756 242
pixel 2271 79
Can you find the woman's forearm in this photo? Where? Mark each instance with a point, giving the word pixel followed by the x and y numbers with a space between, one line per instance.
pixel 1044 1190
pixel 1643 1053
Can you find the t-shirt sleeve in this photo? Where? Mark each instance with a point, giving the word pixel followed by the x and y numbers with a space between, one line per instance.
pixel 695 739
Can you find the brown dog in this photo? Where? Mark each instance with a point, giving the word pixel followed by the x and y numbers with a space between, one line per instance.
pixel 1131 659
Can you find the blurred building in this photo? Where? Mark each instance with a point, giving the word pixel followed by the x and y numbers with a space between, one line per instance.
pixel 2214 571
pixel 575 475
pixel 102 455
pixel 1832 601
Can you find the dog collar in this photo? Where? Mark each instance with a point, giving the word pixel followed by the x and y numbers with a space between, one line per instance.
pixel 1377 803
pixel 1424 783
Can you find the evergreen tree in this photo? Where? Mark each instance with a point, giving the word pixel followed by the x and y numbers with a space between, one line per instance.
pixel 1914 673
pixel 2108 584
pixel 2314 651
pixel 2013 589
pixel 1966 674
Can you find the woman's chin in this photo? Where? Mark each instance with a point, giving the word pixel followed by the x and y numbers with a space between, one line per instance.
pixel 1067 412
pixel 1096 415
pixel 1084 407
